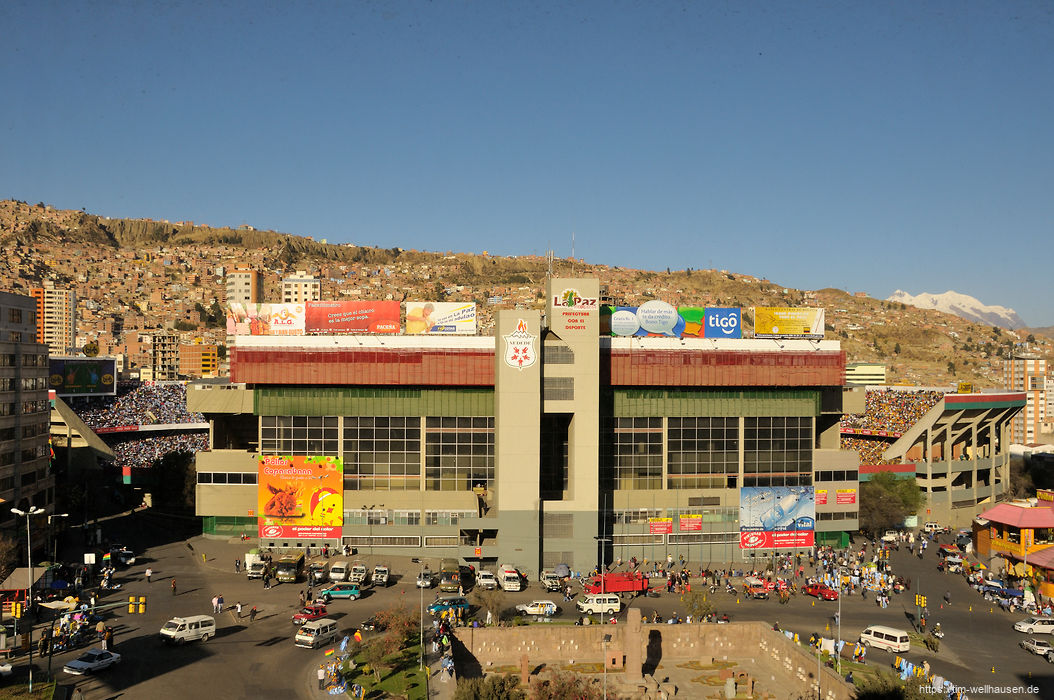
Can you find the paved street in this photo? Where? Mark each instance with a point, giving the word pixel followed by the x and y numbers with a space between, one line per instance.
pixel 259 660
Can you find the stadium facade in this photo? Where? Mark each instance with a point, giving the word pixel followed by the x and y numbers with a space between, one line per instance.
pixel 544 444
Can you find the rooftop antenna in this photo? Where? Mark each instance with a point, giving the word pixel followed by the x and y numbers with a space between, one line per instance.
pixel 549 260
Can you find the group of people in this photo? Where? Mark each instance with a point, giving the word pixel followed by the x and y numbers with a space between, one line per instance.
pixel 887 410
pixel 138 403
pixel 72 630
pixel 142 452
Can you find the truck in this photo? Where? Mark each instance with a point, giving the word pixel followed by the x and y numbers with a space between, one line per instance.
pixel 509 578
pixel 631 582
pixel 551 582
pixel 450 576
pixel 254 564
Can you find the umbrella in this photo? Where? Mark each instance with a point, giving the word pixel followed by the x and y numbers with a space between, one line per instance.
pixel 562 570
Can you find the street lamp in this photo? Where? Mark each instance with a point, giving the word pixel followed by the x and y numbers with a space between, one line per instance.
pixel 369 521
pixel 602 542
pixel 29 584
pixel 54 540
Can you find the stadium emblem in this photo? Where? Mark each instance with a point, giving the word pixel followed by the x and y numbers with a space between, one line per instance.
pixel 519 347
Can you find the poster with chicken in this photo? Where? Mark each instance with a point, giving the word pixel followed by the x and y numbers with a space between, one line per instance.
pixel 300 497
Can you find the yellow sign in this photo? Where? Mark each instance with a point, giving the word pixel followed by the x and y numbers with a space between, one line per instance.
pixel 965 388
pixel 782 322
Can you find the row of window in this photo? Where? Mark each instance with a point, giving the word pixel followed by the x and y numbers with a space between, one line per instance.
pixel 227 478
pixel 838 475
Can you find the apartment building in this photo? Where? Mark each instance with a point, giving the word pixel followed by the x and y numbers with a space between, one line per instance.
pixel 1027 372
pixel 199 360
pixel 301 287
pixel 25 475
pixel 244 286
pixel 164 357
pixel 56 313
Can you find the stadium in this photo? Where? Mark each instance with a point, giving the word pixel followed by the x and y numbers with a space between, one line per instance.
pixel 544 444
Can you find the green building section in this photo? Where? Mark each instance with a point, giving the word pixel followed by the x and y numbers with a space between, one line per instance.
pixel 373 401
pixel 657 403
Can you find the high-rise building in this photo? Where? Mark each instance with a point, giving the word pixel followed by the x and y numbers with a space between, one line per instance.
pixel 56 318
pixel 244 286
pixel 199 360
pixel 1027 372
pixel 165 357
pixel 301 287
pixel 26 480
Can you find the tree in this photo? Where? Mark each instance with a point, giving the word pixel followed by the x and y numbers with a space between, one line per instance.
pixel 698 605
pixel 886 686
pixel 562 685
pixel 402 625
pixel 490 601
pixel 951 368
pixel 493 687
pixel 374 654
pixel 896 349
pixel 879 509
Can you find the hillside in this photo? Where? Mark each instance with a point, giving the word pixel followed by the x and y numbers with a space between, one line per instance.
pixel 137 276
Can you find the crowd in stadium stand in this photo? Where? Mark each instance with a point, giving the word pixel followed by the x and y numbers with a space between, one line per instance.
pixel 136 403
pixel 143 452
pixel 888 410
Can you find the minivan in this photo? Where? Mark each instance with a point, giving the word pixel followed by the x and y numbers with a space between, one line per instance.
pixel 599 603
pixel 338 571
pixel 315 633
pixel 1035 625
pixel 180 630
pixel 888 638
pixel 931 526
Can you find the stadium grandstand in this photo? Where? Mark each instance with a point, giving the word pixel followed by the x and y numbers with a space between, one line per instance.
pixel 955 445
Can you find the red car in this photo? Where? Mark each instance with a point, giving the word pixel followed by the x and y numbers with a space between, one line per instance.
pixel 820 591
pixel 309 613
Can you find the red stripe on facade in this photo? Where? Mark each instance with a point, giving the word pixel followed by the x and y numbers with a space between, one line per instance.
pixel 895 468
pixel 726 368
pixel 453 367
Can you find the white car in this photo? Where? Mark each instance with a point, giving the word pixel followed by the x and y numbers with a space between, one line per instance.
pixel 542 608
pixel 92 661
pixel 1035 625
pixel 1037 646
pixel 486 580
pixel 426 579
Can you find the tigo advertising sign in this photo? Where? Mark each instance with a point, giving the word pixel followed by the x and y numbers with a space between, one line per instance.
pixel 657 318
pixel 300 497
pixel 440 318
pixel 349 317
pixel 781 322
pixel 776 516
pixel 723 323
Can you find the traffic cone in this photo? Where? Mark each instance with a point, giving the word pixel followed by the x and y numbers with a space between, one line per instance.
pixel 814 603
pixel 993 669
pixel 971 608
pixel 737 601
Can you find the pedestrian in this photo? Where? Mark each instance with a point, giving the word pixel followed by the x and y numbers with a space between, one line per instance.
pixel 149 573
pixel 948 597
pixel 173 586
pixel 303 599
pixel 252 614
pixel 267 581
pixel 219 603
pixel 215 604
pixel 237 566
pixel 321 676
pixel 238 607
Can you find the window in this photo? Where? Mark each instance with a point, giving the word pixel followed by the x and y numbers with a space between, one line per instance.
pixel 459 453
pixel 702 452
pixel 406 517
pixel 447 517
pixel 300 435
pixel 382 453
pixel 637 453
pixel 777 451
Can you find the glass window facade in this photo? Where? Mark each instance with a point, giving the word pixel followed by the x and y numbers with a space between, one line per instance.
pixel 382 453
pixel 702 453
pixel 637 445
pixel 777 451
pixel 459 453
pixel 299 435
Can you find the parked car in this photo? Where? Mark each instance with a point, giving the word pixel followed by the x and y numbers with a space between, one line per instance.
pixel 350 591
pixel 309 613
pixel 551 582
pixel 541 608
pixel 381 576
pixel 820 591
pixel 426 579
pixel 372 624
pixel 448 603
pixel 92 661
pixel 359 574
pixel 318 572
pixel 1037 646
pixel 487 580
pixel 1035 625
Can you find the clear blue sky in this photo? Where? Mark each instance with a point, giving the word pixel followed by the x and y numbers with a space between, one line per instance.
pixel 861 145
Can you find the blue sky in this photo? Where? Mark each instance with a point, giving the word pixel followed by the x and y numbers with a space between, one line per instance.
pixel 860 145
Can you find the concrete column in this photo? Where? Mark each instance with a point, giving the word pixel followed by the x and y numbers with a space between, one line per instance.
pixel 632 642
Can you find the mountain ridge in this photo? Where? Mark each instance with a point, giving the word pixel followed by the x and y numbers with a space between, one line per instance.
pixel 962 305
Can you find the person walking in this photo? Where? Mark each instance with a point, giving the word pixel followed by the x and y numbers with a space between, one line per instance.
pixel 219 603
pixel 215 604
pixel 252 614
pixel 321 676
pixel 238 608
pixel 237 566
pixel 149 573
pixel 173 586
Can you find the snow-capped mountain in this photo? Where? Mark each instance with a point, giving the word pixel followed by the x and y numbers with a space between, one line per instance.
pixel 962 305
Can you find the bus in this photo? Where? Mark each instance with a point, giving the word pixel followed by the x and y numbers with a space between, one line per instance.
pixel 449 576
pixel 290 568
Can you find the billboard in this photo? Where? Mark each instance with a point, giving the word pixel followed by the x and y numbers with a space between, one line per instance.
pixel 82 376
pixel 783 322
pixel 350 317
pixel 776 517
pixel 658 318
pixel 440 317
pixel 265 319
pixel 691 523
pixel 300 497
pixel 660 526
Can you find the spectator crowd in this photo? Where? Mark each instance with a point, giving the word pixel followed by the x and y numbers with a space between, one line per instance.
pixel 142 452
pixel 887 410
pixel 138 403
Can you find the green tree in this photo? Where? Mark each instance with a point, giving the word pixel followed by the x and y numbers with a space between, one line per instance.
pixel 490 601
pixel 886 686
pixel 374 653
pixel 885 501
pixel 493 687
pixel 182 325
pixel 698 605
pixel 896 349
pixel 562 685
pixel 951 368
pixel 401 623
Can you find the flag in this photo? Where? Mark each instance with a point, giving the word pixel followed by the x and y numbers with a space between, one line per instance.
pixel 106 557
pixel 329 652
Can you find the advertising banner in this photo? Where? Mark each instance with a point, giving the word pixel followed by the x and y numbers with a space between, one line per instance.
pixel 658 319
pixel 300 497
pixel 352 317
pixel 821 497
pixel 723 323
pixel 440 318
pixel 845 496
pixel 265 319
pixel 783 322
pixel 660 526
pixel 776 516
pixel 691 523
pixel 82 376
